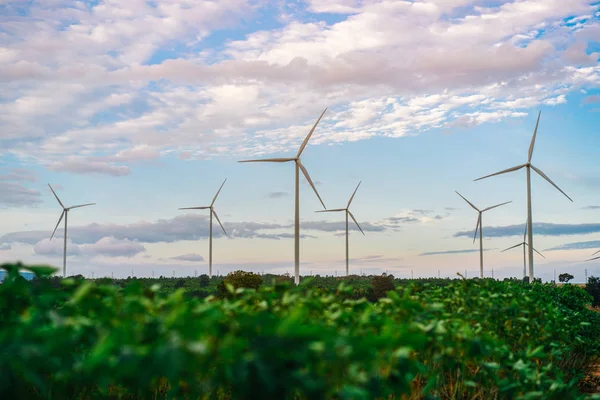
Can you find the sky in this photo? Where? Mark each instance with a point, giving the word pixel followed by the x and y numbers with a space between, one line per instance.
pixel 144 107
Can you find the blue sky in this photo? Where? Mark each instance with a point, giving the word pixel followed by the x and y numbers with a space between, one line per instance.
pixel 144 108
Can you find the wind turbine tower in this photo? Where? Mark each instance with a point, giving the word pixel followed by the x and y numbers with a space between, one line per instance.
pixel 524 244
pixel 65 214
pixel 348 213
pixel 210 230
pixel 529 166
pixel 479 226
pixel 299 167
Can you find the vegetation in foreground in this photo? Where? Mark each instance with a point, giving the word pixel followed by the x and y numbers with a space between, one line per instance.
pixel 460 339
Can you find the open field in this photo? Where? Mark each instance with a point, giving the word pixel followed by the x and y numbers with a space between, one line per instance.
pixel 446 339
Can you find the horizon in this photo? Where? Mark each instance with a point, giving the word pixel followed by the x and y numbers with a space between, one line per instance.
pixel 147 107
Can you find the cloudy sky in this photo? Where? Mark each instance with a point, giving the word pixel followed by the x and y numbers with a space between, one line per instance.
pixel 145 106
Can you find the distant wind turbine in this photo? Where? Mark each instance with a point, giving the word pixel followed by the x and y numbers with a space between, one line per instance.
pixel 524 243
pixel 212 212
pixel 529 167
pixel 64 213
pixel 479 225
pixel 348 212
pixel 299 167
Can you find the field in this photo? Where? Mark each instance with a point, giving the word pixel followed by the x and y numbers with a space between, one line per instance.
pixel 329 338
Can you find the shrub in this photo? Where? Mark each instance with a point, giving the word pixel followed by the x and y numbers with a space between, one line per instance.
pixel 381 285
pixel 204 280
pixel 593 288
pixel 239 279
pixel 565 277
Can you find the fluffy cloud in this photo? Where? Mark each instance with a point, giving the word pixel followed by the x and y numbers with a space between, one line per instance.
pixel 541 228
pixel 125 239
pixel 111 247
pixel 189 257
pixel 13 192
pixel 94 83
pixel 577 246
pixel 106 247
pixel 277 195
pixel 435 253
pixel 55 248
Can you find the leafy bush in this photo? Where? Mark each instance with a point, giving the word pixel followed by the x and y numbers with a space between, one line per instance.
pixel 239 279
pixel 467 339
pixel 381 285
pixel 565 277
pixel 593 288
pixel 204 280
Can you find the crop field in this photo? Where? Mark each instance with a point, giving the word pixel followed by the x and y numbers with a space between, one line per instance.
pixel 329 338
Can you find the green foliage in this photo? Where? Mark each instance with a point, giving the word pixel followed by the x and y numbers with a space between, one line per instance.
pixel 381 285
pixel 464 339
pixel 566 277
pixel 593 288
pixel 236 280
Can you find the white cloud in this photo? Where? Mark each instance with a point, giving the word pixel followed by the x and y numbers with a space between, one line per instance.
pixel 86 99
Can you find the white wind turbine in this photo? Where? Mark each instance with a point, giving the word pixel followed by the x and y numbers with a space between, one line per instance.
pixel 479 225
pixel 212 212
pixel 524 244
pixel 529 167
pixel 64 213
pixel 348 212
pixel 299 167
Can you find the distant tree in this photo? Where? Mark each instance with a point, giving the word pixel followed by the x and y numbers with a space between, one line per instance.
pixel 239 279
pixel 566 277
pixel 204 280
pixel 380 286
pixel 180 283
pixel 593 287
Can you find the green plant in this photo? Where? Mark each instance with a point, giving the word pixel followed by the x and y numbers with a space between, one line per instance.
pixel 566 277
pixel 239 279
pixel 463 339
pixel 593 288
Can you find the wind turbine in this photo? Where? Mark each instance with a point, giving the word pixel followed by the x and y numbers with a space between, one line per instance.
pixel 64 213
pixel 529 167
pixel 348 212
pixel 524 243
pixel 479 225
pixel 212 212
pixel 299 167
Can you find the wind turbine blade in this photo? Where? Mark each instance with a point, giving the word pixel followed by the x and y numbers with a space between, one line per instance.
pixel 309 135
pixel 497 205
pixel 305 172
pixel 81 205
pixel 352 197
pixel 596 253
pixel 525 232
pixel 219 221
pixel 59 202
pixel 471 204
pixel 334 210
pixel 538 252
pixel 194 208
pixel 354 219
pixel 552 183
pixel 512 247
pixel 219 191
pixel 271 160
pixel 518 167
pixel 477 227
pixel 592 259
pixel 533 138
pixel 58 223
